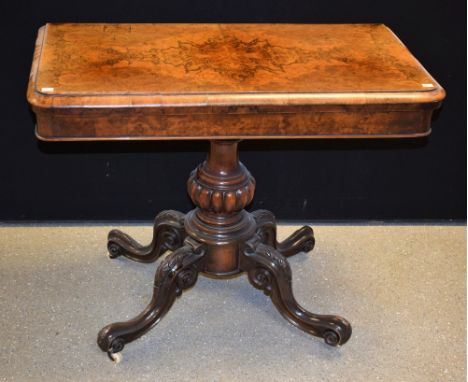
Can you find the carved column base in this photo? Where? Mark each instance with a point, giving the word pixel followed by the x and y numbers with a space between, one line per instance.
pixel 218 238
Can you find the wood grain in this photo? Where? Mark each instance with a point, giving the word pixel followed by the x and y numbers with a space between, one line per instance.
pixel 227 81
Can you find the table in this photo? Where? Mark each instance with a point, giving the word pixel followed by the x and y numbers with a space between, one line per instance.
pixel 225 83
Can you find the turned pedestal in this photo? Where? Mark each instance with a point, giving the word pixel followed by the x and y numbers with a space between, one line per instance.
pixel 219 238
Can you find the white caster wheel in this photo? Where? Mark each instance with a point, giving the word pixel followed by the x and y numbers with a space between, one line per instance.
pixel 115 357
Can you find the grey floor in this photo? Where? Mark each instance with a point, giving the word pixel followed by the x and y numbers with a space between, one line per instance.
pixel 402 287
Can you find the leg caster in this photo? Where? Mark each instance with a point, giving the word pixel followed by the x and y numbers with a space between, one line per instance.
pixel 168 234
pixel 269 271
pixel 300 241
pixel 177 272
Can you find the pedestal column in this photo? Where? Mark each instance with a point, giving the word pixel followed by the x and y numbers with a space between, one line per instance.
pixel 221 187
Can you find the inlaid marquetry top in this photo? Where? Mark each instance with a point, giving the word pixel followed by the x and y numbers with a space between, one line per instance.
pixel 225 68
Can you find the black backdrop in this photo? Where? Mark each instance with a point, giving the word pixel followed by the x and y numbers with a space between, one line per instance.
pixel 299 180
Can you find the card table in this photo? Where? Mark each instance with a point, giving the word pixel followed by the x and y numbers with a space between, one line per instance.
pixel 225 83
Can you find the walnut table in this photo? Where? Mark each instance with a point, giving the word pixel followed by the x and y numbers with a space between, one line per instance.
pixel 225 83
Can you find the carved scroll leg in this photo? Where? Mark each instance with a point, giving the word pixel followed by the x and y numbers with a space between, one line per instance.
pixel 300 241
pixel 168 234
pixel 178 271
pixel 269 271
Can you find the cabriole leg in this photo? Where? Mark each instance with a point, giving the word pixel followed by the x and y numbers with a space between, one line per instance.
pixel 269 271
pixel 176 272
pixel 301 240
pixel 168 234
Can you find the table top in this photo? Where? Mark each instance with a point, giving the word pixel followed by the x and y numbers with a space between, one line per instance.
pixel 148 70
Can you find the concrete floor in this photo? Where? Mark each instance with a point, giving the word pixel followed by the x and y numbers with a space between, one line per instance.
pixel 403 288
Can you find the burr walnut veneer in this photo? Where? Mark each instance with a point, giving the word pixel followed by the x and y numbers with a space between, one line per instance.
pixel 225 83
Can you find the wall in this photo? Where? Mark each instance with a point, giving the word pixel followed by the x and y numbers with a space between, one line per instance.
pixel 300 180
